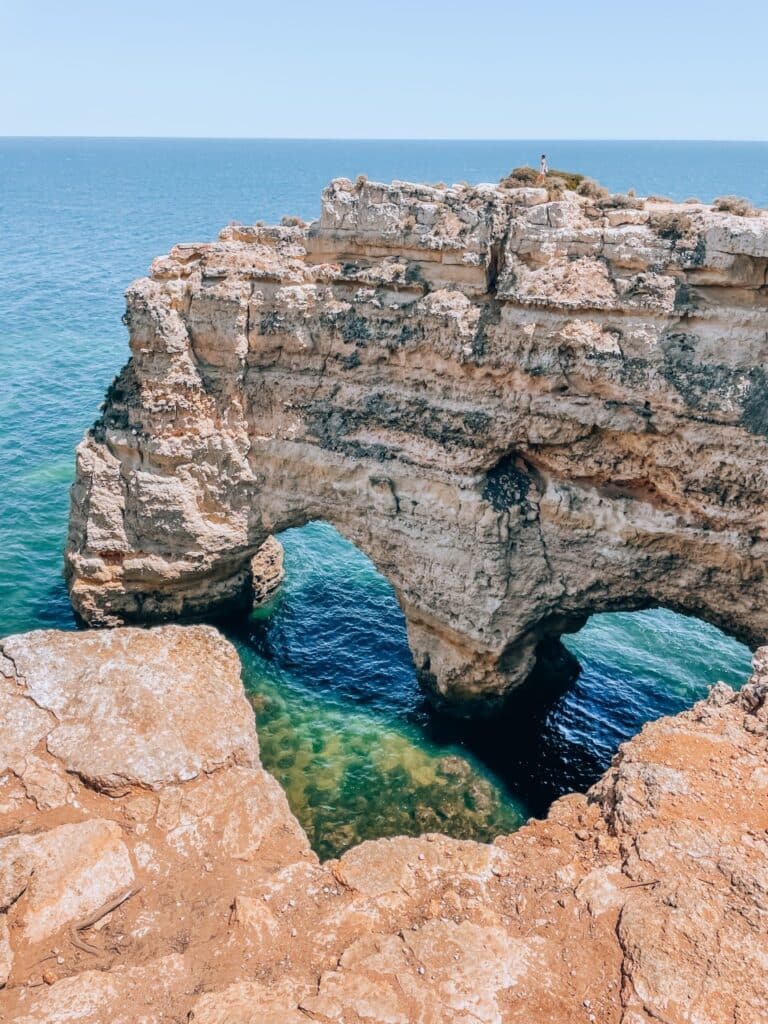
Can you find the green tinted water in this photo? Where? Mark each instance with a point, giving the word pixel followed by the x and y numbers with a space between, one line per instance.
pixel 339 715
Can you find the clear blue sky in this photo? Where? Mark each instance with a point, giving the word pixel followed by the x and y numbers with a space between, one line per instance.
pixel 385 68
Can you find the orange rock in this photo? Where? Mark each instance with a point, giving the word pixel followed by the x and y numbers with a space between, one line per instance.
pixel 644 900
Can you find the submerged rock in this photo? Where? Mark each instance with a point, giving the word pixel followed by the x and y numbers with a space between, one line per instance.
pixel 643 900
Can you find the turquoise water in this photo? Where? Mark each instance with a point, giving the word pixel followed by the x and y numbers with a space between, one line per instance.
pixel 341 721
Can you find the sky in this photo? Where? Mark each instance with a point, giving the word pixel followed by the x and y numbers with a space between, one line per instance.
pixel 544 69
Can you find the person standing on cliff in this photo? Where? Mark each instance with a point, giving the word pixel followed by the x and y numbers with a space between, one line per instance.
pixel 543 169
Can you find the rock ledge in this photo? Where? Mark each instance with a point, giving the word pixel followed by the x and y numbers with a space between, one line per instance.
pixel 130 766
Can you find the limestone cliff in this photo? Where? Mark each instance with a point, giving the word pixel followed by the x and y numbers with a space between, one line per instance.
pixel 523 409
pixel 150 869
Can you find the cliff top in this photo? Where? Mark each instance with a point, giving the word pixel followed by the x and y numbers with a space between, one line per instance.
pixel 419 235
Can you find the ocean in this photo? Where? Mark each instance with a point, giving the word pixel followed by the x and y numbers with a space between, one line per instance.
pixel 341 721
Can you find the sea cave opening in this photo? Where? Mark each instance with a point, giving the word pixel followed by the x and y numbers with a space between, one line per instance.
pixel 361 754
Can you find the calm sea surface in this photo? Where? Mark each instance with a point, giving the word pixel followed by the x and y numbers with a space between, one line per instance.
pixel 341 721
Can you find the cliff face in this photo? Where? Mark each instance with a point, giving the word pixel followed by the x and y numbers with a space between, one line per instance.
pixel 150 870
pixel 524 411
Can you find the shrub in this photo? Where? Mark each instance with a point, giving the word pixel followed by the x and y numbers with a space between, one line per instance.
pixel 520 177
pixel 735 204
pixel 571 178
pixel 672 226
pixel 292 222
pixel 557 181
pixel 555 185
pixel 592 189
pixel 360 180
pixel 621 201
pixel 693 201
pixel 659 199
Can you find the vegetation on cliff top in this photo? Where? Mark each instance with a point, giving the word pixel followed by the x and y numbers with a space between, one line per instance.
pixel 558 182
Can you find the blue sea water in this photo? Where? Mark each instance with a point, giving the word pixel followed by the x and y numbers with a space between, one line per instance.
pixel 341 720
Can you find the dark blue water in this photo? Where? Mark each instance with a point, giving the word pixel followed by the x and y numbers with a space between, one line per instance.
pixel 341 721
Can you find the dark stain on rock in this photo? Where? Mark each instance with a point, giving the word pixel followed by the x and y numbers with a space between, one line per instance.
pixel 708 387
pixel 686 299
pixel 754 414
pixel 271 323
pixel 507 485
pixel 356 329
pixel 351 361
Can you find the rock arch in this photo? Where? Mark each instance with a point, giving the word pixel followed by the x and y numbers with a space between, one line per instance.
pixel 524 410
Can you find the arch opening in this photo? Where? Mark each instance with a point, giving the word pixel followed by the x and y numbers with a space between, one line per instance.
pixel 361 753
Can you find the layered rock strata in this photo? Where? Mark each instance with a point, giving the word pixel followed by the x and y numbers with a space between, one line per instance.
pixel 525 410
pixel 150 869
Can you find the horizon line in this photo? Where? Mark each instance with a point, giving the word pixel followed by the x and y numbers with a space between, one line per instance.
pixel 341 138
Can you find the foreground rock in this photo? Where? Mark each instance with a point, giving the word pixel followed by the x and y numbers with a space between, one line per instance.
pixel 130 772
pixel 525 411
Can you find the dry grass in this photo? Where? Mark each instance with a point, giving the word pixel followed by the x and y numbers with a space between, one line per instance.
pixel 592 189
pixel 736 205
pixel 621 201
pixel 672 226
pixel 520 177
pixel 526 177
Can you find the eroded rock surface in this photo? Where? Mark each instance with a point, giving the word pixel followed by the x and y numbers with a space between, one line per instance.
pixel 645 901
pixel 524 411
pixel 267 570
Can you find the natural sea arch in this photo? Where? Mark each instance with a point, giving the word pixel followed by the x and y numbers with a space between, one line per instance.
pixel 525 411
pixel 332 659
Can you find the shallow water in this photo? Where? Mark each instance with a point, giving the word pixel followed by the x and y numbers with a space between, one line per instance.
pixel 345 729
pixel 341 721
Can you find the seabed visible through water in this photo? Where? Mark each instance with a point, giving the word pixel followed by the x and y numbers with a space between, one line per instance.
pixel 345 729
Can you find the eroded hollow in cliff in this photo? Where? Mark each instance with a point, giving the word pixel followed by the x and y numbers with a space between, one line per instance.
pixel 346 729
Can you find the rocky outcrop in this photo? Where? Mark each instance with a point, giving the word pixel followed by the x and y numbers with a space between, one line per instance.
pixel 151 870
pixel 267 570
pixel 524 410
